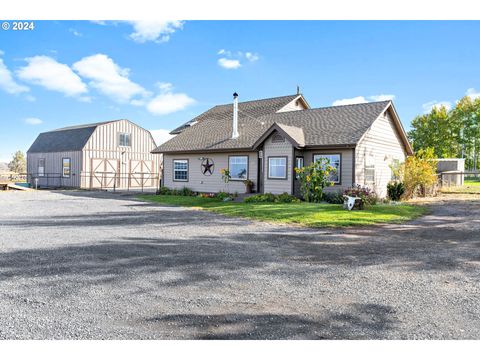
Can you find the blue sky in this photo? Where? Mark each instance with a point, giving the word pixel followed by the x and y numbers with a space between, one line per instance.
pixel 161 74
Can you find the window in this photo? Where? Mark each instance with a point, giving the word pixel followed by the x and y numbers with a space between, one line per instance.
pixel 66 167
pixel 298 164
pixel 41 167
pixel 394 167
pixel 369 174
pixel 277 138
pixel 277 167
pixel 124 139
pixel 238 167
pixel 335 162
pixel 180 170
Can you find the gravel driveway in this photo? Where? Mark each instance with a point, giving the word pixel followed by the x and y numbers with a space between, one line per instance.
pixel 85 265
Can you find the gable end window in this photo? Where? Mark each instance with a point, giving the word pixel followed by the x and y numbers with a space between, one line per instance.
pixel 335 161
pixel 66 167
pixel 41 167
pixel 277 167
pixel 124 139
pixel 238 167
pixel 180 170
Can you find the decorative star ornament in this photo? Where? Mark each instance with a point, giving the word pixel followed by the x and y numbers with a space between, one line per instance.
pixel 207 167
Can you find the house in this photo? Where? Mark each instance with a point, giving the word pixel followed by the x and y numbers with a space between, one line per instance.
pixel 264 140
pixel 111 154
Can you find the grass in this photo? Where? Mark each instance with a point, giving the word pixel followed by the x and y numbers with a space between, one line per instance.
pixel 470 186
pixel 306 214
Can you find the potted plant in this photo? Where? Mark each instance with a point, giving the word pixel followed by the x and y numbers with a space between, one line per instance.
pixel 248 186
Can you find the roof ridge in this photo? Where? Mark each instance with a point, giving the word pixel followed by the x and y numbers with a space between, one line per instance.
pixel 82 126
pixel 248 101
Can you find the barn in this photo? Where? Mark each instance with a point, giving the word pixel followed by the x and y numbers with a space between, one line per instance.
pixel 107 155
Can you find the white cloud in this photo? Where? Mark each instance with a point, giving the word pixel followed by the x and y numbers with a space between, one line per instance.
pixel 33 121
pixel 109 78
pixel 153 30
pixel 355 100
pixel 164 86
pixel 229 63
pixel 7 82
pixel 472 93
pixel 75 32
pixel 161 135
pixel 169 102
pixel 427 107
pixel 47 72
pixel 362 99
pixel 382 97
pixel 251 56
pixel 233 60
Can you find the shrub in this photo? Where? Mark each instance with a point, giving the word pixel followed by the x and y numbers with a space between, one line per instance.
pixel 222 195
pixel 164 191
pixel 395 190
pixel 419 172
pixel 368 196
pixel 314 178
pixel 185 191
pixel 269 197
pixel 333 197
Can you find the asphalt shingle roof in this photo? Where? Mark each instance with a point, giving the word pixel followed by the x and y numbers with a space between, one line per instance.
pixel 254 108
pixel 335 125
pixel 72 138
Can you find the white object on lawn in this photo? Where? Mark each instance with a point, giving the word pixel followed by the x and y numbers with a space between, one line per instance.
pixel 349 202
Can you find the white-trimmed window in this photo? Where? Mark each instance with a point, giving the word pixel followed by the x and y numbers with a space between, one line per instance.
pixel 299 163
pixel 41 167
pixel 180 170
pixel 238 167
pixel 335 161
pixel 369 170
pixel 395 164
pixel 66 162
pixel 277 167
pixel 124 139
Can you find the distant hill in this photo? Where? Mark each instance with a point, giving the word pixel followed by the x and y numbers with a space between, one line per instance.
pixel 3 167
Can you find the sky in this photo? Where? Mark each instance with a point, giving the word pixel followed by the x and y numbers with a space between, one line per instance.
pixel 160 74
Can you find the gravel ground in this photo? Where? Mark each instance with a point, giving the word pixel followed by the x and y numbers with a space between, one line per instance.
pixel 86 265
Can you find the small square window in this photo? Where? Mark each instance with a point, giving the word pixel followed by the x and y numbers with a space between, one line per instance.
pixel 124 139
pixel 277 167
pixel 180 170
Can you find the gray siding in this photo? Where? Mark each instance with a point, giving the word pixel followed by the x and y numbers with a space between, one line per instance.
pixel 213 183
pixel 104 144
pixel 346 170
pixel 381 145
pixel 53 168
pixel 280 149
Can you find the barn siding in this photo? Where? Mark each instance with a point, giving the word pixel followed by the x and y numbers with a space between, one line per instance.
pixel 103 144
pixel 382 144
pixel 277 149
pixel 213 183
pixel 53 167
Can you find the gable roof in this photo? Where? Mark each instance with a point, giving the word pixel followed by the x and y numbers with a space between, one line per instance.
pixel 254 108
pixel 72 138
pixel 323 127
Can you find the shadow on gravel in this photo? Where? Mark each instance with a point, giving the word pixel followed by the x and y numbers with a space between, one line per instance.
pixel 359 321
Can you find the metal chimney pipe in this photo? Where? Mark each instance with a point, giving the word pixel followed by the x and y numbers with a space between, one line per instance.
pixel 235 116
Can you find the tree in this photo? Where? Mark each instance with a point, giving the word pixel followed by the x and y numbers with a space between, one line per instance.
pixel 419 172
pixel 18 163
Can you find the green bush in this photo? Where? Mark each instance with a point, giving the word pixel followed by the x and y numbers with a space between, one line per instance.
pixel 185 191
pixel 333 197
pixel 368 196
pixel 164 191
pixel 222 195
pixel 269 197
pixel 395 190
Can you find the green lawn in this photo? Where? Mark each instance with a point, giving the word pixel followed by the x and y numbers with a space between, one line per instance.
pixel 470 186
pixel 307 214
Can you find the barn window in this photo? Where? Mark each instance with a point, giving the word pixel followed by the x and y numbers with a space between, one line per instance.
pixel 41 167
pixel 277 167
pixel 180 170
pixel 238 167
pixel 335 162
pixel 66 167
pixel 277 138
pixel 124 139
